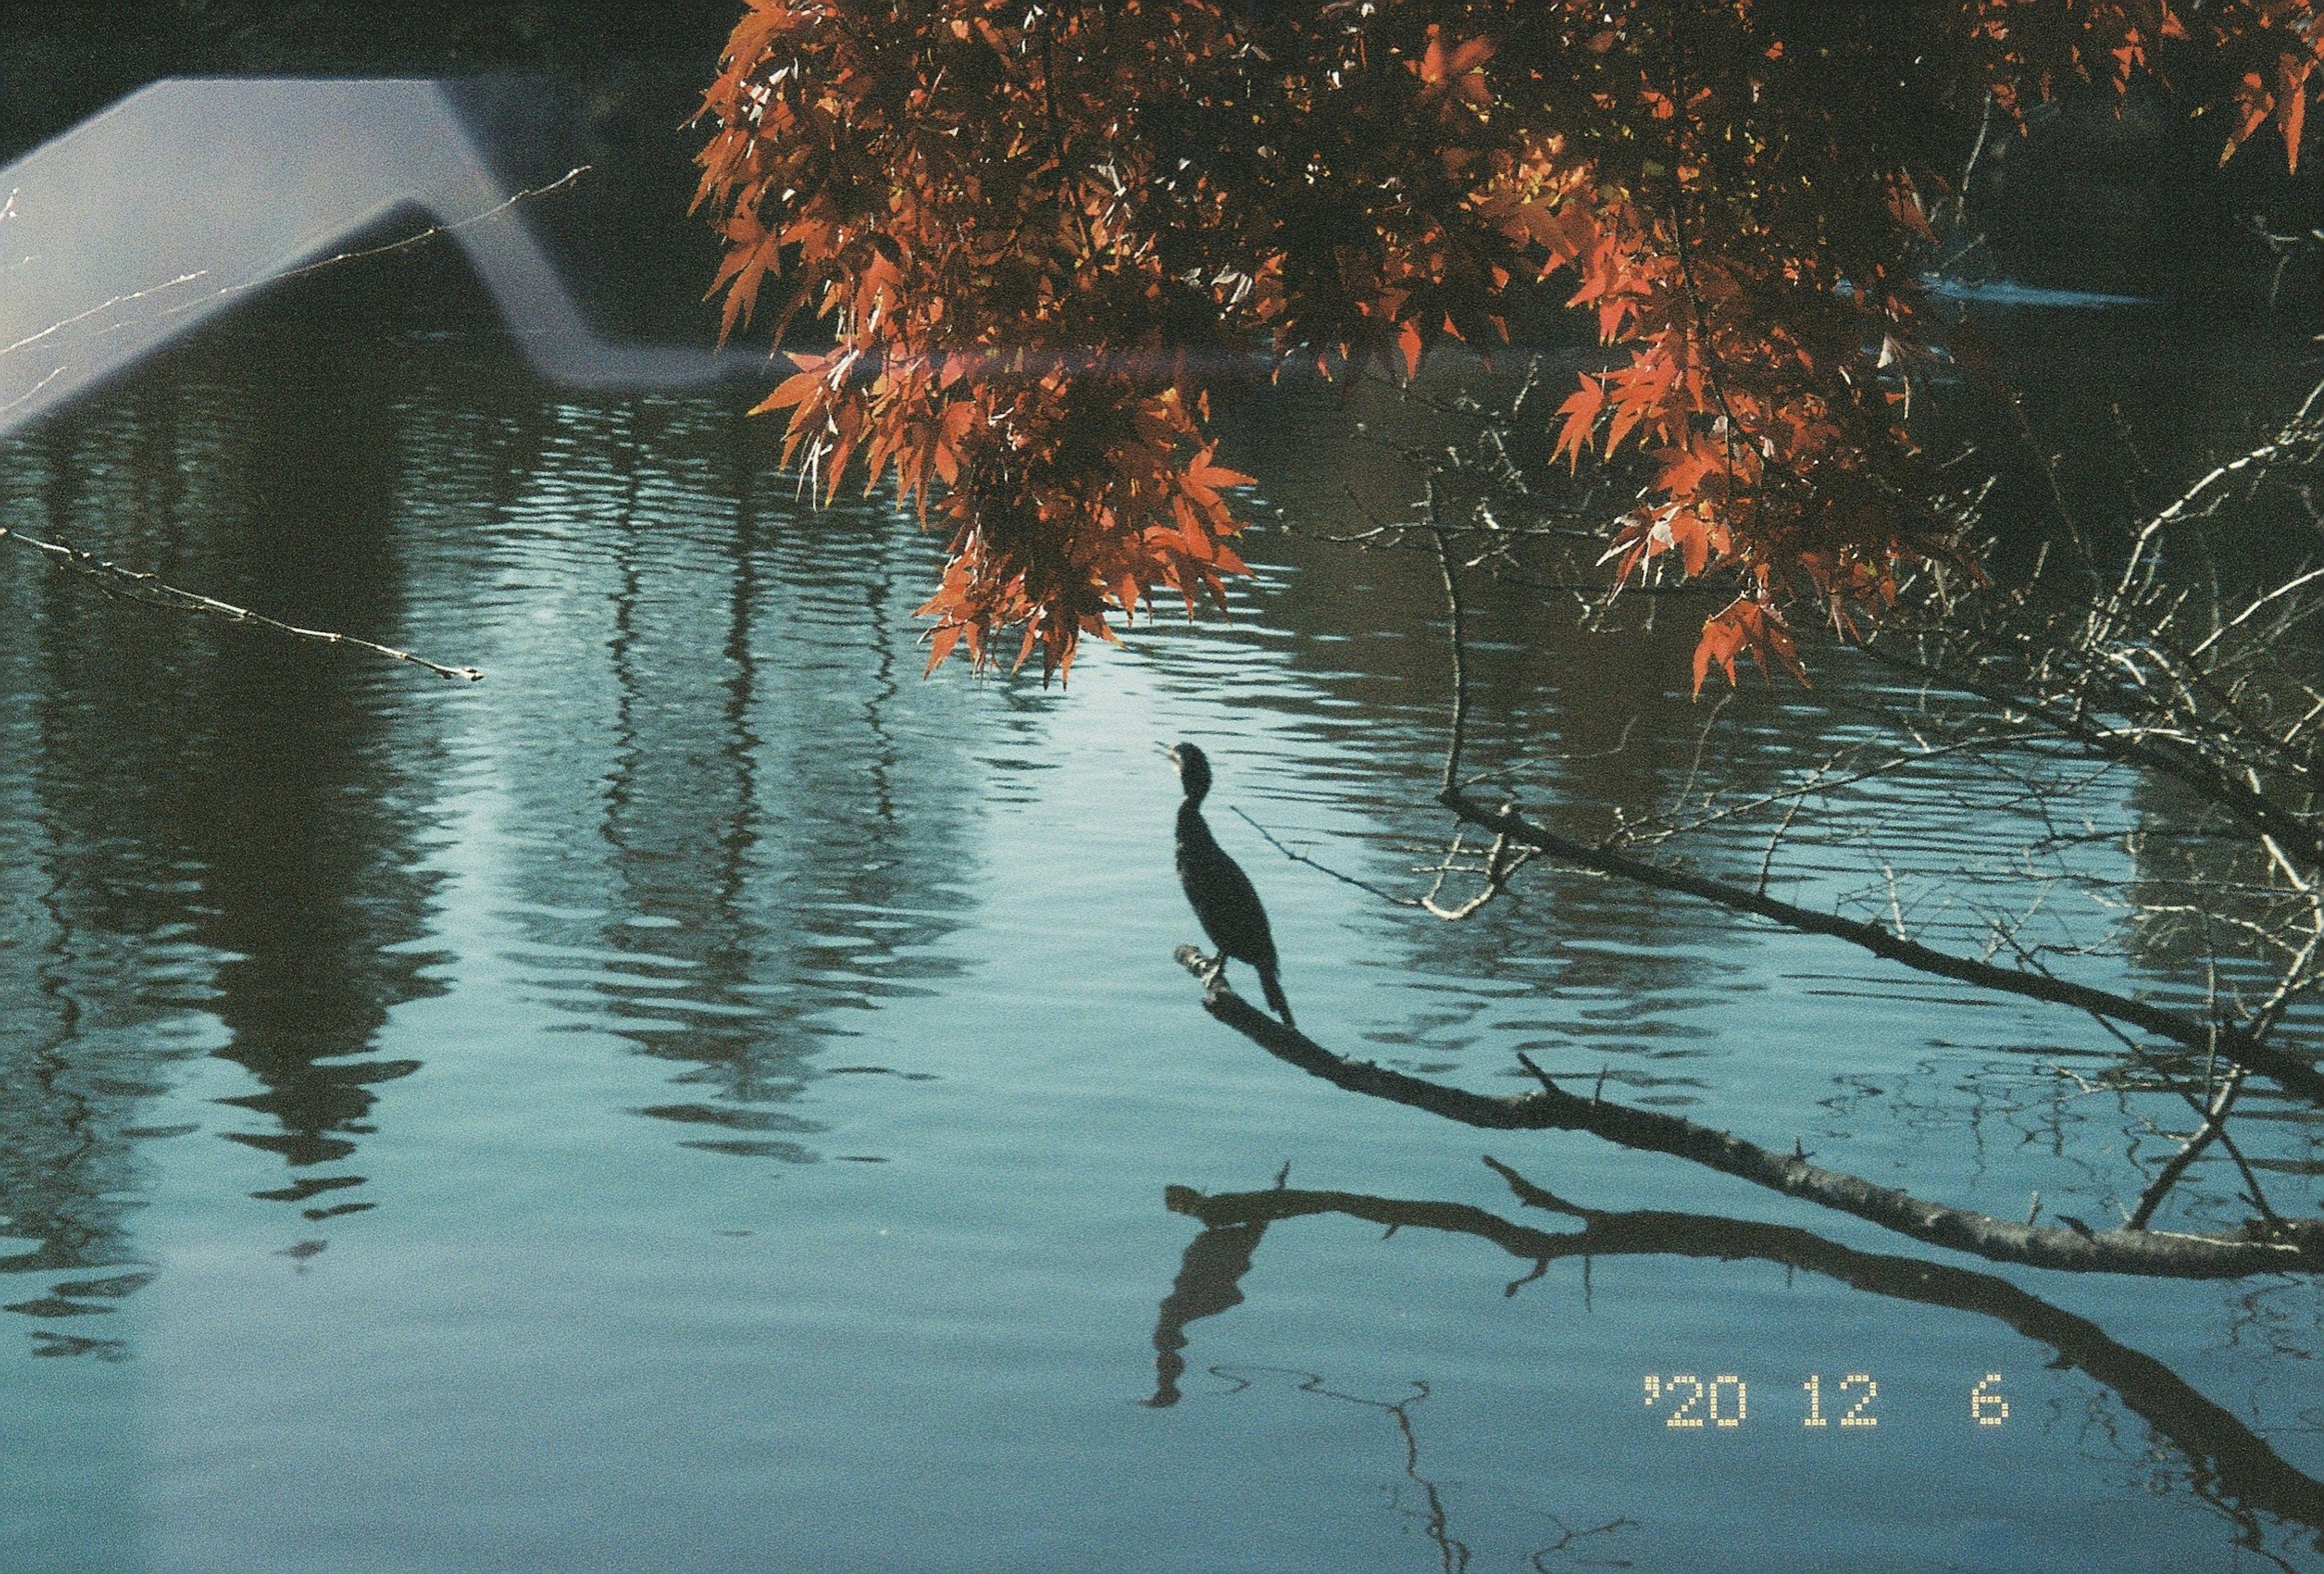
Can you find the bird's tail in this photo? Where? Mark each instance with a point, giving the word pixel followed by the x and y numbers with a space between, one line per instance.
pixel 1266 981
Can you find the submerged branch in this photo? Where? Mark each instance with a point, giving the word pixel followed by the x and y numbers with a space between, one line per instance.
pixel 1552 1109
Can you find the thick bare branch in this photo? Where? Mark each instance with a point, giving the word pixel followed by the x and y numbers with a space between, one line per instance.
pixel 1552 1109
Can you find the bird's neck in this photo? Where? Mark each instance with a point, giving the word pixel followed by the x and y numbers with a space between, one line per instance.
pixel 1192 826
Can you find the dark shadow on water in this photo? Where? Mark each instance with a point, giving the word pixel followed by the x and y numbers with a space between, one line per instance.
pixel 1208 1282
pixel 2225 1462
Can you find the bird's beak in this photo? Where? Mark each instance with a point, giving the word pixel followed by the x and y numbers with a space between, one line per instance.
pixel 1166 747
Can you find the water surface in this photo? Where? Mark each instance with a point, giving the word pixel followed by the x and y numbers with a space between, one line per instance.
pixel 702 1098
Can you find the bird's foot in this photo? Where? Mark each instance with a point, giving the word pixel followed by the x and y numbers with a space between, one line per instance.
pixel 1213 969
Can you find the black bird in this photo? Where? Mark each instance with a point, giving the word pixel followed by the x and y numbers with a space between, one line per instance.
pixel 1220 893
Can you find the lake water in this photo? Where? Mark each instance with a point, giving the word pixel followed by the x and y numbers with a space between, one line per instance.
pixel 702 1098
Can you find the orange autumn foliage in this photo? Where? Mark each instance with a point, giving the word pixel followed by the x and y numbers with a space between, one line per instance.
pixel 1037 233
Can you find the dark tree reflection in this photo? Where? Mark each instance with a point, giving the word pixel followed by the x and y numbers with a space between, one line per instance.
pixel 219 831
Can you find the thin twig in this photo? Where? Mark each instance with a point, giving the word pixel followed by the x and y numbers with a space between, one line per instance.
pixel 388 248
pixel 2289 1070
pixel 2214 1120
pixel 148 589
pixel 1454 738
pixel 1384 894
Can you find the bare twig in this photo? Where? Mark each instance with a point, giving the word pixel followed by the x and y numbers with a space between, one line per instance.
pixel 1458 733
pixel 1382 892
pixel 2215 1122
pixel 388 248
pixel 2287 1070
pixel 148 589
pixel 1501 862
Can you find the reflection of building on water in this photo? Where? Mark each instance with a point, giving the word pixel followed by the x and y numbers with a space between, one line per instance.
pixel 733 813
pixel 224 825
pixel 754 802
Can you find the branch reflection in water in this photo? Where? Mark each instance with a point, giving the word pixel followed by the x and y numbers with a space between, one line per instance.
pixel 1435 1514
pixel 2227 1464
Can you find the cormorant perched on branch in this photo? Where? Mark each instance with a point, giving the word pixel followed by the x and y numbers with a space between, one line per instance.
pixel 1222 894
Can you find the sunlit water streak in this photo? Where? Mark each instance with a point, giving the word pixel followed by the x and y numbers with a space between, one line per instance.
pixel 702 1098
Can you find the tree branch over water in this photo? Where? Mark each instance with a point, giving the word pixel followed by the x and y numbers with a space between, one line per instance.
pixel 2094 699
pixel 1550 1108
pixel 2288 1070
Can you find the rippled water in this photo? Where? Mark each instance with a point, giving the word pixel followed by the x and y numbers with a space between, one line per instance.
pixel 702 1098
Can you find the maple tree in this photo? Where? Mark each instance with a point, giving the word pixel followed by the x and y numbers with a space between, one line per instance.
pixel 1039 231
